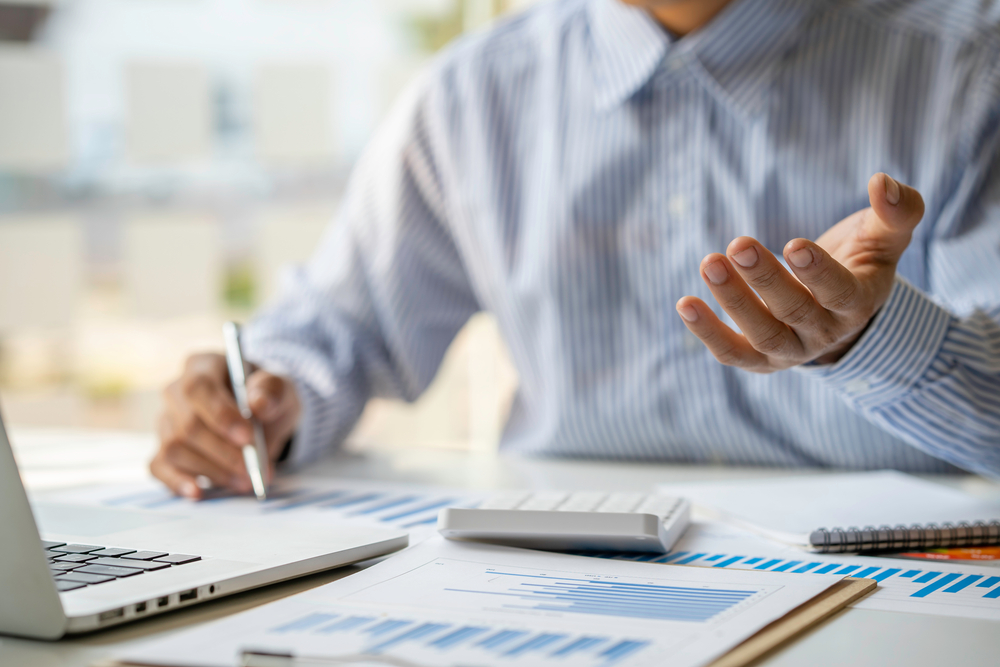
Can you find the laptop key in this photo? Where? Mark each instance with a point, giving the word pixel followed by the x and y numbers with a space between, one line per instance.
pixel 74 558
pixel 51 545
pixel 85 577
pixel 64 586
pixel 134 564
pixel 109 571
pixel 145 555
pixel 112 552
pixel 178 559
pixel 76 548
pixel 64 567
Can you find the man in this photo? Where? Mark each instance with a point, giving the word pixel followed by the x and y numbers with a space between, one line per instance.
pixel 568 171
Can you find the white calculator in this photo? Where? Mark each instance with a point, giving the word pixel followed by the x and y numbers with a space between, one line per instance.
pixel 580 521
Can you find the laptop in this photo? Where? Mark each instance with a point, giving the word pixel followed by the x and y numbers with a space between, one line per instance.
pixel 80 569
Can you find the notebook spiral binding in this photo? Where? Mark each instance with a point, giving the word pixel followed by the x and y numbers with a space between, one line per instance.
pixel 904 538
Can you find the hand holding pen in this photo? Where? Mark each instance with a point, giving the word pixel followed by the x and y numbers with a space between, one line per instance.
pixel 202 432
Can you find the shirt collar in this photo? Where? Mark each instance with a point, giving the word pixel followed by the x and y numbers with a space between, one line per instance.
pixel 628 45
pixel 739 50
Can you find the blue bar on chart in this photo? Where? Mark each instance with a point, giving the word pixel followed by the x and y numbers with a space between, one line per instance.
pixel 770 563
pixel 995 593
pixel 352 500
pixel 865 572
pixel 501 638
pixel 346 624
pixel 826 569
pixel 456 637
pixel 536 643
pixel 623 649
pixel 610 598
pixel 578 646
pixel 728 561
pixel 885 574
pixel 309 500
pixel 910 573
pixel 958 586
pixel 305 622
pixel 385 627
pixel 389 504
pixel 689 559
pixel 987 582
pixel 943 581
pixel 437 504
pixel 926 577
pixel 806 567
pixel 413 634
pixel 751 561
pixel 714 558
pixel 787 566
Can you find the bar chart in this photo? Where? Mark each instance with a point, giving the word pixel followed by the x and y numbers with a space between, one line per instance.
pixel 435 642
pixel 930 587
pixel 613 598
pixel 386 505
pixel 472 588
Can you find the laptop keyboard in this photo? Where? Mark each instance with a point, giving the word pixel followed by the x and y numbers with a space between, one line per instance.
pixel 77 565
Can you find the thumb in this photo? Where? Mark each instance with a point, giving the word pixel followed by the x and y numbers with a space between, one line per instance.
pixel 896 210
pixel 267 394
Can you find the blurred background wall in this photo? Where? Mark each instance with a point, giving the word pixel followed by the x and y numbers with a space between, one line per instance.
pixel 161 161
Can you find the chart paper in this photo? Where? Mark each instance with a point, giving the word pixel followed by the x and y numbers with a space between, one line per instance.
pixel 445 603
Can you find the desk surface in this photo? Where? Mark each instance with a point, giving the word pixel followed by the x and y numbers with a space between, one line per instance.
pixel 854 636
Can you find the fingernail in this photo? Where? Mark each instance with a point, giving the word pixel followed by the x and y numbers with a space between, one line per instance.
pixel 717 272
pixel 801 258
pixel 189 490
pixel 688 313
pixel 746 258
pixel 891 190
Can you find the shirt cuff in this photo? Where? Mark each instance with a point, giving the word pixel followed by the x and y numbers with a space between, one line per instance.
pixel 892 355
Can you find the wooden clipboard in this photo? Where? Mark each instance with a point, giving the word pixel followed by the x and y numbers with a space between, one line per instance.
pixel 797 621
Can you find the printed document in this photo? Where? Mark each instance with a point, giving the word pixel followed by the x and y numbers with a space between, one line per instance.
pixel 916 587
pixel 451 603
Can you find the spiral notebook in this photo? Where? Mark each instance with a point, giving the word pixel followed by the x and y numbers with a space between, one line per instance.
pixel 853 513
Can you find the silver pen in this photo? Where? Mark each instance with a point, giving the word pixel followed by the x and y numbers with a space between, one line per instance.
pixel 254 455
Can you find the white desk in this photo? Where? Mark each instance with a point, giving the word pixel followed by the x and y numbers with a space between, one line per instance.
pixel 853 637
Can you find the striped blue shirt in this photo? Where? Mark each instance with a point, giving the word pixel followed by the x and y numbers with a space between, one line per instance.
pixel 568 170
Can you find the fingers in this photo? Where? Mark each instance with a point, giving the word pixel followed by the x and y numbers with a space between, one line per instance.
pixel 727 346
pixel 181 425
pixel 834 287
pixel 205 386
pixel 178 481
pixel 888 225
pixel 759 326
pixel 275 403
pixel 202 432
pixel 188 445
pixel 268 395
pixel 788 300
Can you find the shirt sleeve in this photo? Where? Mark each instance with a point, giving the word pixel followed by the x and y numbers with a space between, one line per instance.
pixel 927 369
pixel 374 310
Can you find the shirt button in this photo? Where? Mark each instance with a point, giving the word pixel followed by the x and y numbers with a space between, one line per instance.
pixel 678 206
pixel 675 64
